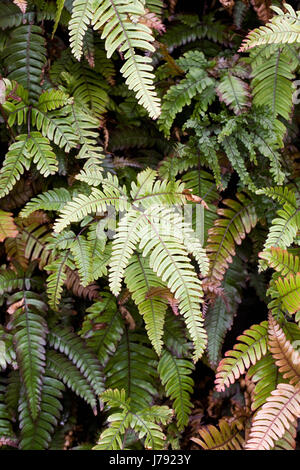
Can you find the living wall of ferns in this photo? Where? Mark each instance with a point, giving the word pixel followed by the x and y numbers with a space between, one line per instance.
pixel 149 178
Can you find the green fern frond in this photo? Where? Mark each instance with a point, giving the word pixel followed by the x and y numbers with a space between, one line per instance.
pixel 102 327
pixel 175 376
pixel 264 374
pixel 52 99
pixel 6 430
pixel 53 200
pixel 7 351
pixel 288 292
pixel 26 58
pixel 181 94
pixel 82 14
pixel 70 344
pixel 252 346
pixel 140 279
pixel 144 421
pixel 239 217
pixel 234 92
pixel 118 20
pixel 41 153
pixel 220 313
pixel 83 205
pixel 16 161
pixel 57 278
pixel 81 252
pixel 65 371
pixel 281 260
pixel 11 16
pixel 285 226
pixel 30 330
pixel 133 368
pixel 161 241
pixel 36 434
pixel 56 126
pixel 283 28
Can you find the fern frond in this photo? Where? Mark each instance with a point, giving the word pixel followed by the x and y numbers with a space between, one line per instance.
pixel 56 279
pixel 36 434
pixel 120 31
pixel 30 243
pixel 194 84
pixel 288 289
pixel 274 418
pixel 26 57
pixel 234 92
pixel 16 161
pixel 7 351
pixel 30 330
pixel 285 226
pixel 65 371
pixel 143 421
pixel 102 327
pixel 175 376
pixel 124 243
pixel 100 255
pixel 238 219
pixel 281 260
pixel 160 239
pixel 82 14
pixel 56 126
pixel 288 440
pixel 252 346
pixel 83 205
pixel 264 374
pixel 133 368
pixel 272 83
pixel 286 357
pixel 41 153
pixel 6 431
pixel 282 29
pixel 70 344
pixel 53 200
pixel 52 99
pixel 227 437
pixel 139 279
pixel 81 252
pixel 11 16
pixel 221 311
pixel 8 228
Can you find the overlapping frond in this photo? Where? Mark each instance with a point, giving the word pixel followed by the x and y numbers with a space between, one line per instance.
pixel 286 357
pixel 143 421
pixel 122 30
pixel 175 373
pixel 103 327
pixel 239 217
pixel 252 346
pixel 30 330
pixel 274 418
pixel 140 279
pixel 26 58
pixel 36 434
pixel 70 344
pixel 283 28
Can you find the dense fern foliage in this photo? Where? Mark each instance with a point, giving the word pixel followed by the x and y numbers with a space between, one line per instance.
pixel 149 225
